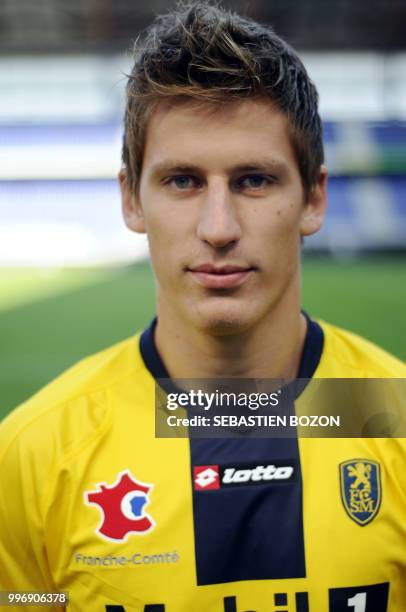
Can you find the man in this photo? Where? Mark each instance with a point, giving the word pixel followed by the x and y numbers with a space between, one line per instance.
pixel 223 171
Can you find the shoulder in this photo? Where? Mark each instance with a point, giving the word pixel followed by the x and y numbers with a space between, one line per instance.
pixel 74 406
pixel 346 354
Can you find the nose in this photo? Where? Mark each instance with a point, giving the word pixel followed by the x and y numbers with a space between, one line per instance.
pixel 218 224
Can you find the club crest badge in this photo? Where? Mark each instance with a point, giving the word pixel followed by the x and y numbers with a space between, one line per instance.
pixel 361 492
pixel 122 506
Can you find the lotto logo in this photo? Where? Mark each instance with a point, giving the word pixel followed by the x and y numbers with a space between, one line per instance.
pixel 206 477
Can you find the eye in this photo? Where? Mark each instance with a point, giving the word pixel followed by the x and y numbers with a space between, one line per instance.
pixel 254 181
pixel 183 181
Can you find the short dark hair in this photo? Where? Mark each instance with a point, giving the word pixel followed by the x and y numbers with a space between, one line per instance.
pixel 200 51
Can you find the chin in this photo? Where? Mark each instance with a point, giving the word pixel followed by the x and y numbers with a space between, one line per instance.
pixel 222 319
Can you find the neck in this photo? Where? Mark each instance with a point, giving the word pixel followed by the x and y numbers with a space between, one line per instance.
pixel 270 349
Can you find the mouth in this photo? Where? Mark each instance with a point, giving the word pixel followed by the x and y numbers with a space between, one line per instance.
pixel 220 277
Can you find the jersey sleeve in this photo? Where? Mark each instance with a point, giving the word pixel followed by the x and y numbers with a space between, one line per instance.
pixel 23 483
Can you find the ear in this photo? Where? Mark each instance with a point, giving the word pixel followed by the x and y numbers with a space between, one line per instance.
pixel 131 205
pixel 315 208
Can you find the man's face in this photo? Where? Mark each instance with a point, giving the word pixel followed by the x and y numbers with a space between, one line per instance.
pixel 222 202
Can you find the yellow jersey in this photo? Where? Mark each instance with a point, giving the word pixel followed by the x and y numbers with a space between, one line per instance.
pixel 93 504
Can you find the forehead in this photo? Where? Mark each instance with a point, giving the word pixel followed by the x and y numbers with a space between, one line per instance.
pixel 231 133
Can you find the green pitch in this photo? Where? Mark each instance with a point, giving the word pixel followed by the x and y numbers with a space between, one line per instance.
pixel 48 320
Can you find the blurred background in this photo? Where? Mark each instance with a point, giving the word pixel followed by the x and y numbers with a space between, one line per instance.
pixel 73 280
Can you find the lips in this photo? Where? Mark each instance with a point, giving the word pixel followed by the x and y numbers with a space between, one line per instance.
pixel 220 277
pixel 211 269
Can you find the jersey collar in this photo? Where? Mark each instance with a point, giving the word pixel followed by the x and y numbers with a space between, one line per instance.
pixel 311 354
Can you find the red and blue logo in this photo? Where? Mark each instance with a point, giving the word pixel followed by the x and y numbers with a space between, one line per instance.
pixel 122 506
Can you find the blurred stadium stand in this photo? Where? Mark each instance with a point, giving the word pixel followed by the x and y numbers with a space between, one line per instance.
pixel 62 67
pixel 53 26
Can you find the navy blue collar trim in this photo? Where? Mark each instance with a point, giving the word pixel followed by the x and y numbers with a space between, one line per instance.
pixel 312 350
pixel 150 354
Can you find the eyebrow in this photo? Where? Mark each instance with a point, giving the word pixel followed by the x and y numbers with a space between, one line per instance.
pixel 180 166
pixel 173 166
